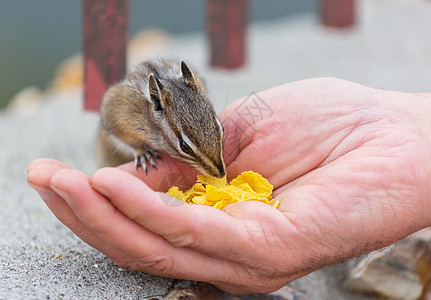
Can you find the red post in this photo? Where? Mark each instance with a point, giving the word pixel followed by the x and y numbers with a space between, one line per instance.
pixel 227 22
pixel 105 36
pixel 337 13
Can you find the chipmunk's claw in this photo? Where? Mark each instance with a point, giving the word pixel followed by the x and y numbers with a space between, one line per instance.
pixel 142 159
pixel 140 162
pixel 156 155
pixel 149 158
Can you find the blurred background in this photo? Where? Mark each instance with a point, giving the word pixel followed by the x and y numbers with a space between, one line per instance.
pixel 36 36
pixel 387 47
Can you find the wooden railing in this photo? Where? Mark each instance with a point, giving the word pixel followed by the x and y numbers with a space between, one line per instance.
pixel 106 26
pixel 104 41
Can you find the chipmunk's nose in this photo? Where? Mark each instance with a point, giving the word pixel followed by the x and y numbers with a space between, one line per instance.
pixel 220 168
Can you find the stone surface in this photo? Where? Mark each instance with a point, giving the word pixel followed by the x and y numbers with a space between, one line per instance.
pixel 402 271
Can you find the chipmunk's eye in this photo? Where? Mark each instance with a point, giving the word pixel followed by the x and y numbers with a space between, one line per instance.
pixel 185 147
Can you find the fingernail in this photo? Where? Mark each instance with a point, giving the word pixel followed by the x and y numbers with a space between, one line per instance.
pixel 43 192
pixel 170 201
pixel 62 194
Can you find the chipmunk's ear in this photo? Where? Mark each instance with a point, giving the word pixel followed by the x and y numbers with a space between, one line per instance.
pixel 188 75
pixel 155 88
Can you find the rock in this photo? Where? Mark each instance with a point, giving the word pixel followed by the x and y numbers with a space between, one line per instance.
pixel 288 293
pixel 401 271
pixel 206 291
pixel 146 44
pixel 199 291
pixel 69 74
pixel 25 102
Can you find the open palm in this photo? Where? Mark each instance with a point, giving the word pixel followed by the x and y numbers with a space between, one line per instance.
pixel 349 164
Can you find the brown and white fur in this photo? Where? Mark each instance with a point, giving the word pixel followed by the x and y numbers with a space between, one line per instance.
pixel 161 106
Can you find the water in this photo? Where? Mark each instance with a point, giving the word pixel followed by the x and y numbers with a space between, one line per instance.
pixel 35 36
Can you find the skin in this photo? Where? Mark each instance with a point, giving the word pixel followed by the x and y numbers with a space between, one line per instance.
pixel 350 165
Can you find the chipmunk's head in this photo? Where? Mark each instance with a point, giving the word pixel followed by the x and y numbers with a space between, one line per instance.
pixel 185 116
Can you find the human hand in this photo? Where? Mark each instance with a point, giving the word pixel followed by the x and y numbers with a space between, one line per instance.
pixel 349 164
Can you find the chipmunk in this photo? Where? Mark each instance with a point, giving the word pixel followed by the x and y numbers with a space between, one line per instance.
pixel 161 106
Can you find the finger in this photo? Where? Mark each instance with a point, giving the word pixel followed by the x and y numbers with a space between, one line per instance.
pixel 198 227
pixel 39 174
pixel 169 172
pixel 44 162
pixel 39 177
pixel 151 252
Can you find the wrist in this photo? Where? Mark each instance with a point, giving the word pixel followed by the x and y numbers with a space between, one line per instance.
pixel 413 110
pixel 411 113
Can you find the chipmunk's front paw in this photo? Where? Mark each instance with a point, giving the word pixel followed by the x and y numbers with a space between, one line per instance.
pixel 142 159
